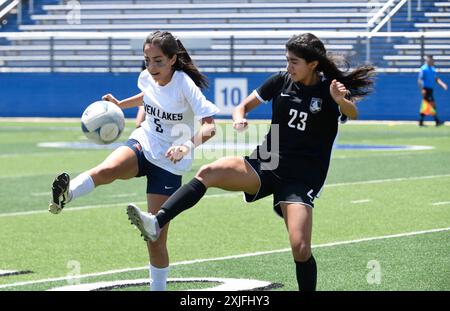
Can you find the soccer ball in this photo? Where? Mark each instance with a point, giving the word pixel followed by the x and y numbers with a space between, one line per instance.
pixel 102 122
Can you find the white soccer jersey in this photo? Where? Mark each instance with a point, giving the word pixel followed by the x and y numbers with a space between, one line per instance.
pixel 171 113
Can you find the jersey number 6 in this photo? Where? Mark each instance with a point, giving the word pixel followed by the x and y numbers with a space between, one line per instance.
pixel 302 116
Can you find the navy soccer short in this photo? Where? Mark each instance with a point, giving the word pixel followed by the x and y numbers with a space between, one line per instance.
pixel 159 181
pixel 284 191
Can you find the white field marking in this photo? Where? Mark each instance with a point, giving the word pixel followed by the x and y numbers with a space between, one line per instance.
pixel 441 203
pixel 40 194
pixel 225 284
pixel 7 272
pixel 195 261
pixel 40 120
pixel 208 147
pixel 375 181
pixel 122 195
pixel 40 154
pixel 69 209
pixel 131 120
pixel 77 120
pixel 111 205
pixel 227 145
pixel 380 181
pixel 397 153
pixel 361 201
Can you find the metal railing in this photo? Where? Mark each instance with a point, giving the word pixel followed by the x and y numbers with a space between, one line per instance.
pixel 111 56
pixel 10 5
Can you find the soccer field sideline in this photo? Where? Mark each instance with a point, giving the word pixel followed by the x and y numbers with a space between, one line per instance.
pixel 87 207
pixel 338 243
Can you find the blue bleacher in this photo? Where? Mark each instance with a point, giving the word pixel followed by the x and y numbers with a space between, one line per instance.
pixel 250 54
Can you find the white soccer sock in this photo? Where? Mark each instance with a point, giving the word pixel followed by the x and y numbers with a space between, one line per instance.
pixel 81 185
pixel 158 278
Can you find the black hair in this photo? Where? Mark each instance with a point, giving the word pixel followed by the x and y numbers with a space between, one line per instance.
pixel 171 46
pixel 359 82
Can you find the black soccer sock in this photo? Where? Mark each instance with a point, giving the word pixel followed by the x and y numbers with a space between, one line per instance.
pixel 307 274
pixel 185 197
pixel 422 117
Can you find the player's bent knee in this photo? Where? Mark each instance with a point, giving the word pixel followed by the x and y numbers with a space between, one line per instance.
pixel 301 251
pixel 205 175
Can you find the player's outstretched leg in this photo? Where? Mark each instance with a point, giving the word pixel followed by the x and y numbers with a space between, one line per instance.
pixel 60 193
pixel 145 222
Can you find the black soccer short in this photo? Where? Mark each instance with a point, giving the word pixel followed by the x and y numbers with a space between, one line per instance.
pixel 428 94
pixel 159 181
pixel 284 191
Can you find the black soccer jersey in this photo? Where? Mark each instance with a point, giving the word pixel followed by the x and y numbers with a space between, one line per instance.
pixel 307 119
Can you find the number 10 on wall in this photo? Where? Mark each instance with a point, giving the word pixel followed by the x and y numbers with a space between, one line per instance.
pixel 228 93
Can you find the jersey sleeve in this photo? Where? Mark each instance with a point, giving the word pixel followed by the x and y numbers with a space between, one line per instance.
pixel 201 107
pixel 421 74
pixel 143 80
pixel 269 88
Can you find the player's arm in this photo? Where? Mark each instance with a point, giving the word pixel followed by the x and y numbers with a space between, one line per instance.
pixel 338 91
pixel 247 105
pixel 140 117
pixel 442 84
pixel 129 102
pixel 206 132
pixel 420 80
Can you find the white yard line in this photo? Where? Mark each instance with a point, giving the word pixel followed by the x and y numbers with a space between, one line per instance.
pixel 380 181
pixel 361 201
pixel 441 203
pixel 189 262
pixel 109 205
pixel 122 195
pixel 80 208
pixel 40 194
pixel 381 153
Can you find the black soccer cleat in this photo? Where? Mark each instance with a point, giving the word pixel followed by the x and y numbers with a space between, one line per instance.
pixel 60 193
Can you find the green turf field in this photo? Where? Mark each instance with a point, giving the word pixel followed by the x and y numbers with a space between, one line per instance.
pixel 382 222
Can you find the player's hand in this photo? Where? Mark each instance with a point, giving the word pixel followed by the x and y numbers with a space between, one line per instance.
pixel 240 125
pixel 176 153
pixel 110 98
pixel 337 90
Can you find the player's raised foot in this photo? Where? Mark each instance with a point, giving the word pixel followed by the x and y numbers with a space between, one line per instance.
pixel 145 222
pixel 60 193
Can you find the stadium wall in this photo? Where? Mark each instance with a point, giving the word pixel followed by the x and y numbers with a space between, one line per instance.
pixel 396 96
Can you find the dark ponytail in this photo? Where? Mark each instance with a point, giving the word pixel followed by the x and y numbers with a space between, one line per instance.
pixel 359 82
pixel 172 46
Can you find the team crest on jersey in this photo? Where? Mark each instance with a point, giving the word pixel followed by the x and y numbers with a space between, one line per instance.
pixel 315 105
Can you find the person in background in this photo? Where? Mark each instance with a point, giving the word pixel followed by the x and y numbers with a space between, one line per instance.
pixel 427 80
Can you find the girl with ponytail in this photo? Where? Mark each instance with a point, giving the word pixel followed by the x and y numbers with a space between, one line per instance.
pixel 308 101
pixel 161 148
